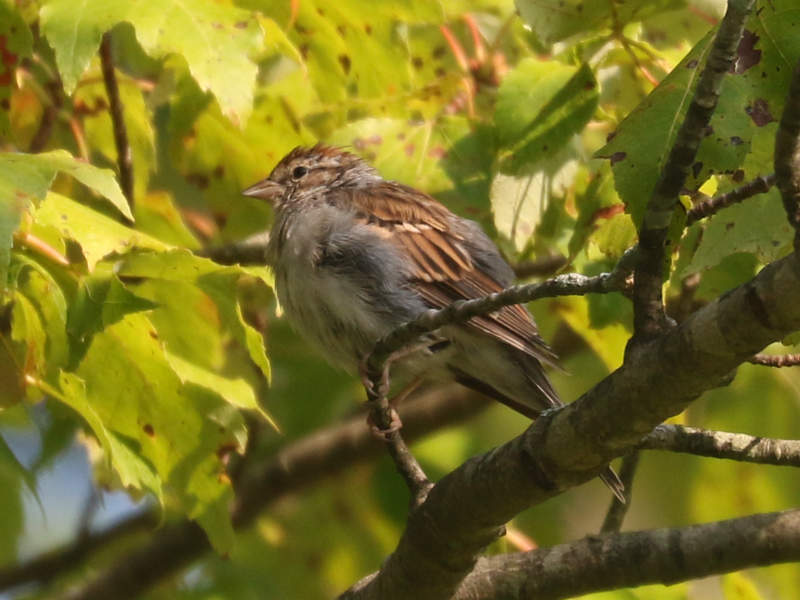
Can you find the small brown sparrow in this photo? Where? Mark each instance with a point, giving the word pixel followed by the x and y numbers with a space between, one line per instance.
pixel 355 256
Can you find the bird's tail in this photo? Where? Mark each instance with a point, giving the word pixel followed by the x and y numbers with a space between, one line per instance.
pixel 614 483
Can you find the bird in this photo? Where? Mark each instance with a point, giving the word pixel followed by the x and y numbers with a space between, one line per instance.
pixel 355 255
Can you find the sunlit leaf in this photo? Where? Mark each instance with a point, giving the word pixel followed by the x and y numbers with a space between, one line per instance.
pixel 540 106
pixel 97 234
pixel 215 39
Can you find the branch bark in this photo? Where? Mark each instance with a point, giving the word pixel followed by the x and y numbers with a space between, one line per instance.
pixel 787 155
pixel 704 209
pixel 722 444
pixel 665 556
pixel 649 316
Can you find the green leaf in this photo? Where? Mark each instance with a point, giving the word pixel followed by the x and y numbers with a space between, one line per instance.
pixel 133 471
pixel 97 234
pixel 177 280
pixel 639 146
pixel 47 299
pixel 216 40
pixel 25 176
pixel 101 300
pixel 519 202
pixel 555 20
pixel 74 29
pixel 181 430
pixel 615 235
pixel 758 225
pixel 541 104
pixel 156 215
pixel 350 52
pixel 235 391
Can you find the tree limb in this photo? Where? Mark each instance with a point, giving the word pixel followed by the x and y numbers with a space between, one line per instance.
pixel 665 556
pixel 649 317
pixel 704 209
pixel 787 155
pixel 722 444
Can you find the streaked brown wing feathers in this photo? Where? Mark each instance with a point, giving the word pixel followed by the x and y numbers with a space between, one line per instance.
pixel 442 266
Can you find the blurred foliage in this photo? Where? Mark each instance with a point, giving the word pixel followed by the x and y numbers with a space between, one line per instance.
pixel 546 121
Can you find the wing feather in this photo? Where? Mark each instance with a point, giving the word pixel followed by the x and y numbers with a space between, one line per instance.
pixel 443 270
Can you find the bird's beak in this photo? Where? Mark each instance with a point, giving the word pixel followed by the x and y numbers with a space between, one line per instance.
pixel 266 189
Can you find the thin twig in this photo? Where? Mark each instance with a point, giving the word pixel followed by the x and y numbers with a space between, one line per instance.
pixel 787 155
pixel 116 110
pixel 649 317
pixel 723 444
pixel 704 209
pixel 385 419
pixel 617 510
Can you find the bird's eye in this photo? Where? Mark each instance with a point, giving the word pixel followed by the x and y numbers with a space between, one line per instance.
pixel 298 172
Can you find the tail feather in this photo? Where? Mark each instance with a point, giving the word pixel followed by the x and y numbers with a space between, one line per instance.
pixel 614 483
pixel 609 477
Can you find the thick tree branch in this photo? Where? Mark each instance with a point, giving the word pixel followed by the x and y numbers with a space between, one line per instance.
pixel 116 110
pixel 466 509
pixel 722 444
pixel 665 556
pixel 704 209
pixel 319 455
pixel 787 155
pixel 649 317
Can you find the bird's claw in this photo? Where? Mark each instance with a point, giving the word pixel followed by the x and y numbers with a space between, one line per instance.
pixel 383 433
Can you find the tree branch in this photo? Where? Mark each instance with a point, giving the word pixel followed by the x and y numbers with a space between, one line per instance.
pixel 663 556
pixel 722 444
pixel 704 209
pixel 124 156
pixel 649 317
pixel 787 155
pixel 564 447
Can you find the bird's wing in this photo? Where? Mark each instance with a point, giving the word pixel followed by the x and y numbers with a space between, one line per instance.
pixel 443 270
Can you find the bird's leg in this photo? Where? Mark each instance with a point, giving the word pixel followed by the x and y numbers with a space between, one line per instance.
pixel 389 421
